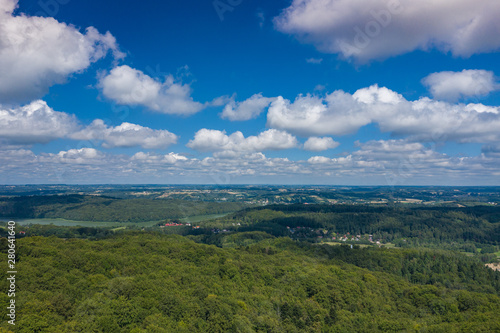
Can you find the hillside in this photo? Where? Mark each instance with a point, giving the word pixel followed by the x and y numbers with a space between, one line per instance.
pixel 147 282
pixel 101 208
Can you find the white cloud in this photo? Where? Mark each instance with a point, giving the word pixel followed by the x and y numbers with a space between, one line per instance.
pixel 248 109
pixel 377 29
pixel 129 86
pixel 222 100
pixel 338 114
pixel 126 135
pixel 34 123
pixel 399 161
pixel 214 140
pixel 390 146
pixel 391 162
pixel 7 7
pixel 320 144
pixel 341 113
pixel 394 161
pixel 319 160
pixel 38 123
pixel 78 156
pixel 38 52
pixel 492 150
pixel 170 158
pixel 453 86
pixel 384 152
pixel 315 61
pixel 261 16
pixel 88 165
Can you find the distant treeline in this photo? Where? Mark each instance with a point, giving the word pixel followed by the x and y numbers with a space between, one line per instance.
pixel 101 208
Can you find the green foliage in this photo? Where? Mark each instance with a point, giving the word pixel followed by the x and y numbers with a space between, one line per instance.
pixel 408 226
pixel 101 208
pixel 148 282
pixel 242 272
pixel 244 238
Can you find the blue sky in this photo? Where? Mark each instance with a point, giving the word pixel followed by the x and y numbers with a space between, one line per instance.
pixel 358 92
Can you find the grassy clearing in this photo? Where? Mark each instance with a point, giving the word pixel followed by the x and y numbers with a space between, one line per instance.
pixel 105 224
pixel 64 222
pixel 338 243
pixel 201 218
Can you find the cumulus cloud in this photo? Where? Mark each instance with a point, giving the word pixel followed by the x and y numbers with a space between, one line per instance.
pixel 319 160
pixel 129 86
pixel 170 158
pixel 320 144
pixel 341 113
pixel 377 29
pixel 246 110
pixel 214 140
pixel 383 152
pixel 7 7
pixel 38 123
pixel 77 156
pixel 34 123
pixel 453 86
pixel 396 162
pixel 390 146
pixel 126 135
pixel 385 162
pixel 38 52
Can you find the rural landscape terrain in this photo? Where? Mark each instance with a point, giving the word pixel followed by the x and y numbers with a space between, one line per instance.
pixel 253 258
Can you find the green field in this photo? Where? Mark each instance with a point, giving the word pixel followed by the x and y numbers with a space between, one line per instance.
pixel 342 243
pixel 69 223
pixel 66 223
pixel 201 218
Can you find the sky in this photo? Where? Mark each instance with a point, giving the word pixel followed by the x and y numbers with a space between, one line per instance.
pixel 333 92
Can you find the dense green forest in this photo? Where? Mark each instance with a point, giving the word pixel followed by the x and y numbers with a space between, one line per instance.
pixel 148 282
pixel 469 229
pixel 101 208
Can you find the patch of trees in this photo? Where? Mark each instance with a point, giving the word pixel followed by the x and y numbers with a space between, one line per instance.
pixel 58 231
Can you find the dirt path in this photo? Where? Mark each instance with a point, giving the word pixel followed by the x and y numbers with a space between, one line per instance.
pixel 495 267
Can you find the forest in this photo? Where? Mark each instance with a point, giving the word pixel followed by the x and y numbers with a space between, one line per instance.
pixel 148 282
pixel 474 230
pixel 260 268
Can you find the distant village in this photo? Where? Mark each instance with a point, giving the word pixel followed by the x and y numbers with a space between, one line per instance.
pixel 297 233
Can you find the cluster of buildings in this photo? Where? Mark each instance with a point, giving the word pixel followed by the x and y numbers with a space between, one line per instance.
pixel 175 224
